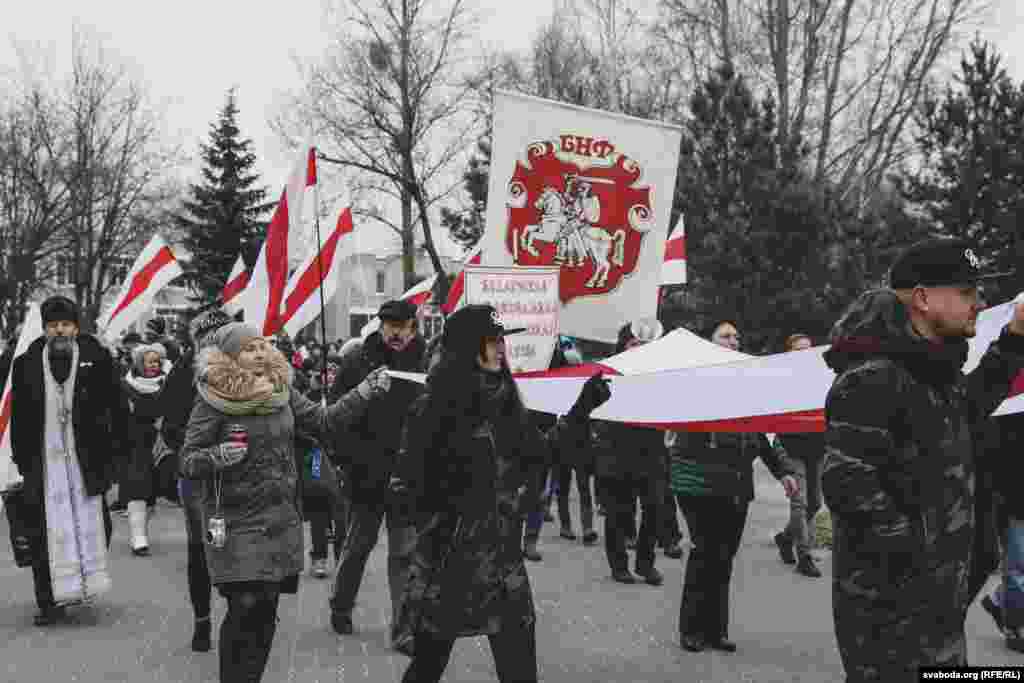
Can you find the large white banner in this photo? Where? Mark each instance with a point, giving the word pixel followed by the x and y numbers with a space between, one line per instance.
pixel 586 191
pixel 523 297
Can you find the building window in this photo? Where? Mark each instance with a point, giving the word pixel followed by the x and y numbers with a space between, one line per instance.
pixel 382 281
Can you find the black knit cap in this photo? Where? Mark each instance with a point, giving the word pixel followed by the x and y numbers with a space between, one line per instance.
pixel 938 262
pixel 204 323
pixel 58 308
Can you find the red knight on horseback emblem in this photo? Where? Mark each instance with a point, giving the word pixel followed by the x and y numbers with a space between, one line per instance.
pixel 574 203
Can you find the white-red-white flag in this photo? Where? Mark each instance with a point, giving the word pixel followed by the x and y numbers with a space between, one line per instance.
pixel 236 284
pixel 154 268
pixel 31 330
pixel 302 302
pixel 458 288
pixel 263 297
pixel 421 292
pixel 673 269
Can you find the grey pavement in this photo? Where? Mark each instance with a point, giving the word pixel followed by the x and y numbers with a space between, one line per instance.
pixel 589 628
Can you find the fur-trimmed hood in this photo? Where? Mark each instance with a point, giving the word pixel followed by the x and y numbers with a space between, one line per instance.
pixel 222 372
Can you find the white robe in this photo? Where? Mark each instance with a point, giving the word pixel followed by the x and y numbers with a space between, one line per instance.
pixel 75 535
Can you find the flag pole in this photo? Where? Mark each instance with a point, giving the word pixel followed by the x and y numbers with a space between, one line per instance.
pixel 320 273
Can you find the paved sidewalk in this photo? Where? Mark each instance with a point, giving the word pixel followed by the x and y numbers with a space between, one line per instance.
pixel 590 628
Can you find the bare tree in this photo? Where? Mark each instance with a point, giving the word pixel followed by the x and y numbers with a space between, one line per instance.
pixel 846 76
pixel 34 207
pixel 392 101
pixel 116 173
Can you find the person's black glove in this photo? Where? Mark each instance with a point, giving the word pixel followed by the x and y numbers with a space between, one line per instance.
pixel 594 394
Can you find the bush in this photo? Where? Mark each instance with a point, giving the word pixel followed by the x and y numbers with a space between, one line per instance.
pixel 823 529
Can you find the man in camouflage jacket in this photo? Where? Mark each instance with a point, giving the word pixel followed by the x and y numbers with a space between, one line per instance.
pixel 899 476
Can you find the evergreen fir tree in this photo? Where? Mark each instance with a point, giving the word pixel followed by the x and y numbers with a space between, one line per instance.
pixel 466 226
pixel 222 216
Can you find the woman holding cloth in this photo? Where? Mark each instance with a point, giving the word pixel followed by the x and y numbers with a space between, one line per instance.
pixel 239 456
pixel 469 451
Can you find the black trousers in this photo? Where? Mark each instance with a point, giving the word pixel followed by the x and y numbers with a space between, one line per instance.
pixel 716 527
pixel 620 495
pixel 41 578
pixel 247 632
pixel 514 651
pixel 583 477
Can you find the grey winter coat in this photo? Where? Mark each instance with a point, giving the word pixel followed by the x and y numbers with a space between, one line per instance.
pixel 259 497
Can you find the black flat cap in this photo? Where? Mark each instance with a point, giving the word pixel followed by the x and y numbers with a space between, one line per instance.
pixel 938 262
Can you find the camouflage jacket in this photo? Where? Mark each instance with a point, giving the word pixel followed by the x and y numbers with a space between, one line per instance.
pixel 899 479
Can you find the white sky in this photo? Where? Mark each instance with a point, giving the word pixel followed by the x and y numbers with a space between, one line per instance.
pixel 190 52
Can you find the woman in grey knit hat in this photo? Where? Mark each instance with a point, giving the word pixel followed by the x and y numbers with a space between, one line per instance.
pixel 239 453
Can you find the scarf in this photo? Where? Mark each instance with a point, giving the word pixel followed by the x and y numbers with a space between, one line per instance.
pixel 265 399
pixel 145 386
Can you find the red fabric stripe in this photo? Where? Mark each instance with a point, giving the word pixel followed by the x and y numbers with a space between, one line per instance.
pixel 235 287
pixel 421 298
pixel 309 281
pixel 455 293
pixel 142 279
pixel 675 249
pixel 1017 387
pixel 5 414
pixel 344 224
pixel 584 370
pixel 311 168
pixel 801 421
pixel 277 264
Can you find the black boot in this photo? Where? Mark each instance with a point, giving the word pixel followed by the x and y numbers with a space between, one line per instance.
pixel 49 615
pixel 785 546
pixel 341 622
pixel 807 567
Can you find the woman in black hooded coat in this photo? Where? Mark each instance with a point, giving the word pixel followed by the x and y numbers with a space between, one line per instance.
pixel 468 454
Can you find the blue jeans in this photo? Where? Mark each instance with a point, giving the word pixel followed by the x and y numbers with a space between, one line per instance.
pixel 1010 594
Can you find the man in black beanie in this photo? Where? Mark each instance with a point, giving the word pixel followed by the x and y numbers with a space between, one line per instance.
pixel 64 432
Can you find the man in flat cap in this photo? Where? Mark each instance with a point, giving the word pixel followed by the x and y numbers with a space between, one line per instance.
pixel 899 475
pixel 367 451
pixel 67 413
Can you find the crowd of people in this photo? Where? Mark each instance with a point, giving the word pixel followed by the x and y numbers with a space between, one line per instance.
pixel 254 437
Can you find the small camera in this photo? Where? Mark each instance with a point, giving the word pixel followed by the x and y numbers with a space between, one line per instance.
pixel 216 533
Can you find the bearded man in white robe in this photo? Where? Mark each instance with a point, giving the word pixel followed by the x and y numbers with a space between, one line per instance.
pixel 67 407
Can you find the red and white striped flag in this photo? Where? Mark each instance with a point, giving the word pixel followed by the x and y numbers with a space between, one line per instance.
pixel 421 292
pixel 31 330
pixel 673 269
pixel 458 287
pixel 302 302
pixel 236 284
pixel 263 297
pixel 153 270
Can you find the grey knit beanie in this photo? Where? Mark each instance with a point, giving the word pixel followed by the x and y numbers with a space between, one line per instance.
pixel 232 337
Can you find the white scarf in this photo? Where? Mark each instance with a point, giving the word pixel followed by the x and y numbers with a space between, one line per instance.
pixel 145 385
pixel 75 535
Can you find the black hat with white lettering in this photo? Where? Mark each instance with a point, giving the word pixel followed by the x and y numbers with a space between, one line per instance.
pixel 938 262
pixel 472 323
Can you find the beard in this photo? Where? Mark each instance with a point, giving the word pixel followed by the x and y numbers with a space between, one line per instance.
pixel 396 343
pixel 61 350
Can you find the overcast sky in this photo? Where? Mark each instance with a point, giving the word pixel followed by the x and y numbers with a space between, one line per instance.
pixel 190 52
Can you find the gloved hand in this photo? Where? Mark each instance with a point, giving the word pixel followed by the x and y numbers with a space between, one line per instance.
pixel 594 394
pixel 228 454
pixel 376 383
pixel 398 485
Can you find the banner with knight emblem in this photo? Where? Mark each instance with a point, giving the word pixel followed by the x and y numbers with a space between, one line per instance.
pixel 589 192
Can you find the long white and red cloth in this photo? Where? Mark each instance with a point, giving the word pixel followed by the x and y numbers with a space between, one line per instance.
pixel 684 382
pixel 154 268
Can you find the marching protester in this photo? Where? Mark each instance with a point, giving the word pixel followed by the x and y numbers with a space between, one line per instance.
pixel 713 480
pixel 1005 605
pixel 66 422
pixel 632 462
pixel 143 386
pixel 900 460
pixel 180 396
pixel 370 447
pixel 240 448
pixel 804 454
pixel 468 450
